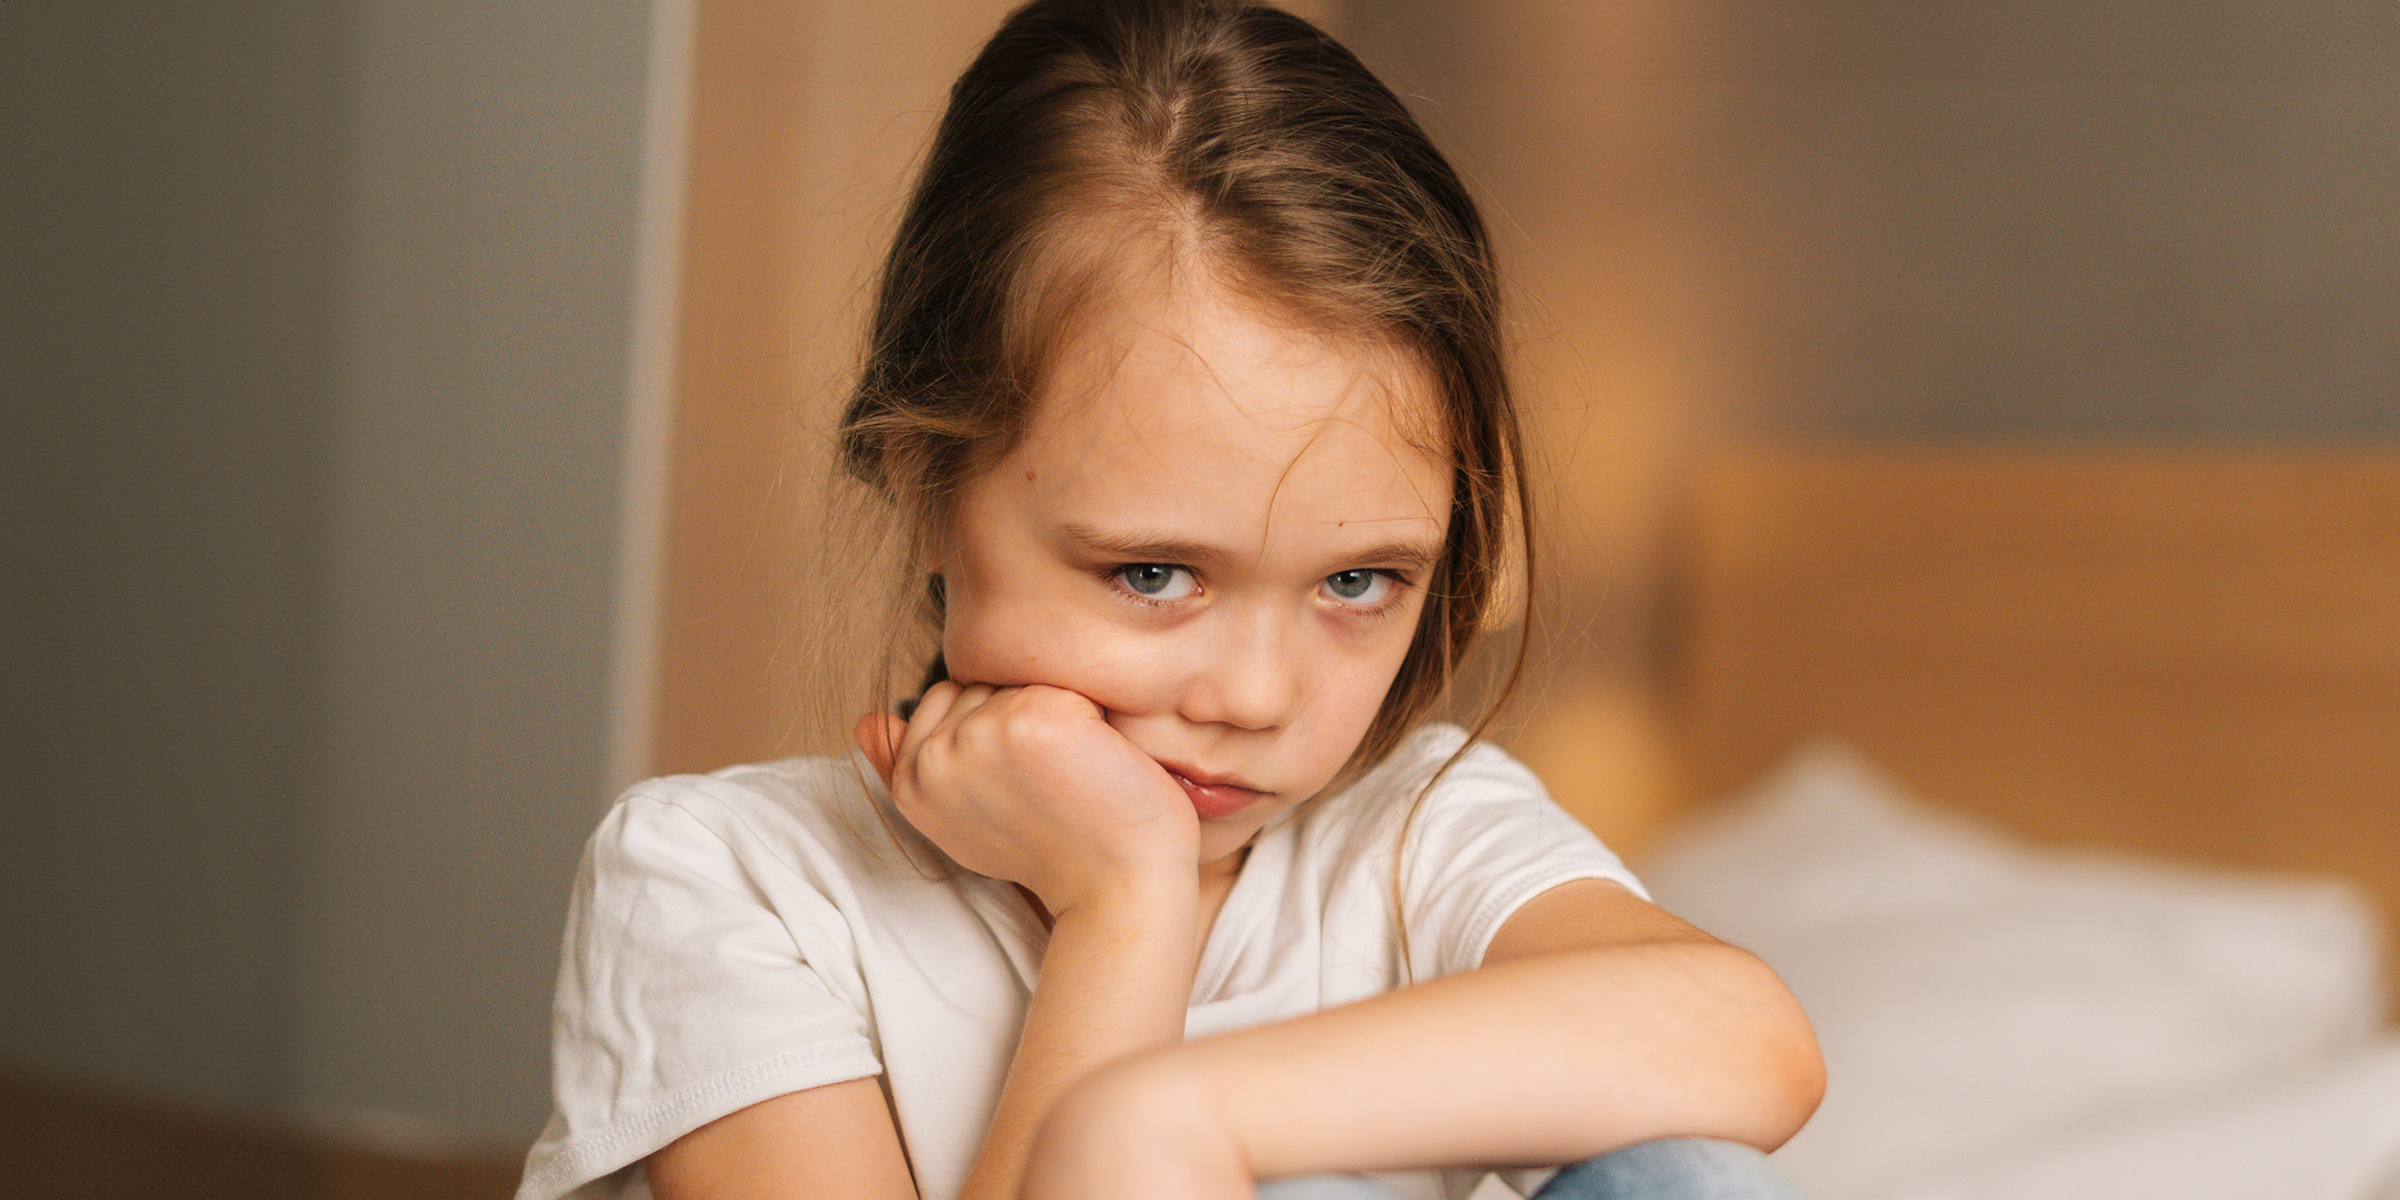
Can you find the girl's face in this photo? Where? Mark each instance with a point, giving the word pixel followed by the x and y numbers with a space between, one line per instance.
pixel 1216 531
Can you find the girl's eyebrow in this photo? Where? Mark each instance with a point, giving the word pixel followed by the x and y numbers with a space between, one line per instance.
pixel 1139 547
pixel 1399 553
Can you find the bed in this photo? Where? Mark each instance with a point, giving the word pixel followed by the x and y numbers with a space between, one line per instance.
pixel 2065 789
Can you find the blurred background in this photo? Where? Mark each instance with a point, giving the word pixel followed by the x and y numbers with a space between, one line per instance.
pixel 403 400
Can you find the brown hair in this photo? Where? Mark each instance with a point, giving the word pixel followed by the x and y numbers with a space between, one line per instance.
pixel 1232 139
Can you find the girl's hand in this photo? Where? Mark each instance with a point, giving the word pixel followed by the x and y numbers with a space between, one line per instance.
pixel 1031 784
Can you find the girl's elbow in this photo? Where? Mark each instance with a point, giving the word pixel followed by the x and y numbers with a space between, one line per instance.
pixel 1786 1068
pixel 1794 1085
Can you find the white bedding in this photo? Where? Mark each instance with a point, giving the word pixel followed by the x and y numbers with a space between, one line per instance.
pixel 2007 1023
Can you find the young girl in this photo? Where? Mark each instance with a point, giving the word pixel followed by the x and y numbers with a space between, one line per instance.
pixel 1185 380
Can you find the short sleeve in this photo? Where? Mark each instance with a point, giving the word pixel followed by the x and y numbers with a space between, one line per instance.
pixel 683 992
pixel 1486 839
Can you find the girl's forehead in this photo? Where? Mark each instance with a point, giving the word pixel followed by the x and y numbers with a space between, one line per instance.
pixel 1214 421
pixel 1205 360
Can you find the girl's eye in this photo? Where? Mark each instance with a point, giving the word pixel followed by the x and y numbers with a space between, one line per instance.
pixel 1157 581
pixel 1359 588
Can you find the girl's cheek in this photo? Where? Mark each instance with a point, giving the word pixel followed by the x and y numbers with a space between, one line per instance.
pixel 1048 646
pixel 1118 673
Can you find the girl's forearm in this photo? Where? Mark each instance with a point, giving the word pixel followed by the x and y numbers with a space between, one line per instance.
pixel 1114 981
pixel 1540 1060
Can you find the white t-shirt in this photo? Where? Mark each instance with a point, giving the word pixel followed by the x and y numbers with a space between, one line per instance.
pixel 738 936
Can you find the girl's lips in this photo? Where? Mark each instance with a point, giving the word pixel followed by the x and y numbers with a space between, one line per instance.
pixel 1217 798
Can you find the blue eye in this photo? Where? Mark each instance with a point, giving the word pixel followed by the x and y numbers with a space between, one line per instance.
pixel 1157 581
pixel 1359 588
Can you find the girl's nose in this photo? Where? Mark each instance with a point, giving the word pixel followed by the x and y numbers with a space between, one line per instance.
pixel 1248 677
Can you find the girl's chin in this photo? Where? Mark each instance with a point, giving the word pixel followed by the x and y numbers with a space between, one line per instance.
pixel 1223 844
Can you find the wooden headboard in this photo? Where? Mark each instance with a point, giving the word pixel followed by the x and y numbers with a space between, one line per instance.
pixel 2192 655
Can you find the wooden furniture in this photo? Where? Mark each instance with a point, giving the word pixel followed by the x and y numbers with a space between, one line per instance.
pixel 2192 655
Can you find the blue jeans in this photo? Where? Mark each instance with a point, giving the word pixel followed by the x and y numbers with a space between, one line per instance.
pixel 1666 1169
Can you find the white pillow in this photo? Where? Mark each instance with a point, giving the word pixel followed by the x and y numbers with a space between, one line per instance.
pixel 1971 993
pixel 2331 1133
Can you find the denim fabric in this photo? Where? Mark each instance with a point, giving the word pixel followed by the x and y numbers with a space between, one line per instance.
pixel 1672 1169
pixel 1324 1187
pixel 1666 1169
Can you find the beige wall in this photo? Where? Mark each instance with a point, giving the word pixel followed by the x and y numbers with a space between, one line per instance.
pixel 806 117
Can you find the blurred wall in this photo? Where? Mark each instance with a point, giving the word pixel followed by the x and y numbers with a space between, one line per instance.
pixel 315 330
pixel 1875 218
pixel 2114 222
pixel 494 156
pixel 169 350
pixel 806 118
pixel 1884 220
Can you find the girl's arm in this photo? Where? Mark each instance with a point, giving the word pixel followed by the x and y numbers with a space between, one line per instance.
pixel 1026 784
pixel 1597 1020
pixel 1107 989
pixel 836 1140
pixel 1114 981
